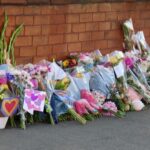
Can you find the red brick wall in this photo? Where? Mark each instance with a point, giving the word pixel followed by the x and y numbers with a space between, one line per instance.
pixel 54 31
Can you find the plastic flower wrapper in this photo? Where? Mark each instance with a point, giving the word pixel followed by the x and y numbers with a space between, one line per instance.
pixel 82 82
pixel 84 109
pixel 73 90
pixel 19 80
pixel 134 99
pixel 99 97
pixel 86 60
pixel 57 101
pixel 128 30
pixel 140 74
pixel 101 79
pixel 138 86
pixel 96 55
pixel 62 104
pixel 142 44
pixel 118 94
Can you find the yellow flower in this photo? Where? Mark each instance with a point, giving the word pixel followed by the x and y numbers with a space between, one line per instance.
pixel 4 86
pixel 113 60
pixel 65 63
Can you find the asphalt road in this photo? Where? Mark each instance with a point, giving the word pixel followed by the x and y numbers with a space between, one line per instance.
pixel 129 133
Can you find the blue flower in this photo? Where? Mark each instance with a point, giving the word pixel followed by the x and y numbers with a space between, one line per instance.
pixel 9 76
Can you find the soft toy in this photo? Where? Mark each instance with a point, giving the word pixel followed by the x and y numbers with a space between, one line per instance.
pixel 85 94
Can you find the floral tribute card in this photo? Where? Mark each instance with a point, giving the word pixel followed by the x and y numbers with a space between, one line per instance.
pixel 9 106
pixel 34 101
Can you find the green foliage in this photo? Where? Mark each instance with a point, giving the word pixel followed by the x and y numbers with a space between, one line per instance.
pixel 7 52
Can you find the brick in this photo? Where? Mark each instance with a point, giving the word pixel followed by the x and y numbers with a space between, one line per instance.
pixel 26 20
pixel 86 17
pixel 145 15
pixel 115 26
pixel 115 34
pixel 38 2
pixel 92 26
pixel 115 44
pixel 134 15
pixel 98 16
pixel 130 6
pixel 118 7
pixel 100 44
pixel 111 16
pixel 27 51
pixel 14 10
pixel 139 24
pixel 2 9
pixel 106 51
pixel 32 10
pixel 77 8
pixel 9 31
pixel 17 51
pixel 88 46
pixel 60 9
pixel 60 49
pixel 57 19
pixel 123 16
pixel 74 37
pixel 49 29
pixel 146 32
pixel 41 20
pixel 13 2
pixel 38 59
pixel 147 23
pixel 47 10
pixel 84 36
pixel 24 60
pixel 91 8
pixel 32 30
pixel 40 40
pixel 74 47
pixel 72 18
pixel 97 35
pixel 12 20
pixel 104 26
pixel 44 50
pixel 78 27
pixel 104 7
pixel 24 41
pixel 56 39
pixel 140 6
pixel 63 28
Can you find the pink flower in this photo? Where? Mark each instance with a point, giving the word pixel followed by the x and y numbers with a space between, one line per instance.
pixel 3 80
pixel 82 107
pixel 110 107
pixel 129 62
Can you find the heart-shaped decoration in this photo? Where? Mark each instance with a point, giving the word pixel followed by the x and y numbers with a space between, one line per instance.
pixel 9 106
pixel 34 97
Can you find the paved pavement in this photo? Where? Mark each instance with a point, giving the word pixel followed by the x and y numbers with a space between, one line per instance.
pixel 130 133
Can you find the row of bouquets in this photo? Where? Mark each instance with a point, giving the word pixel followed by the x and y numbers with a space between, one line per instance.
pixel 82 87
